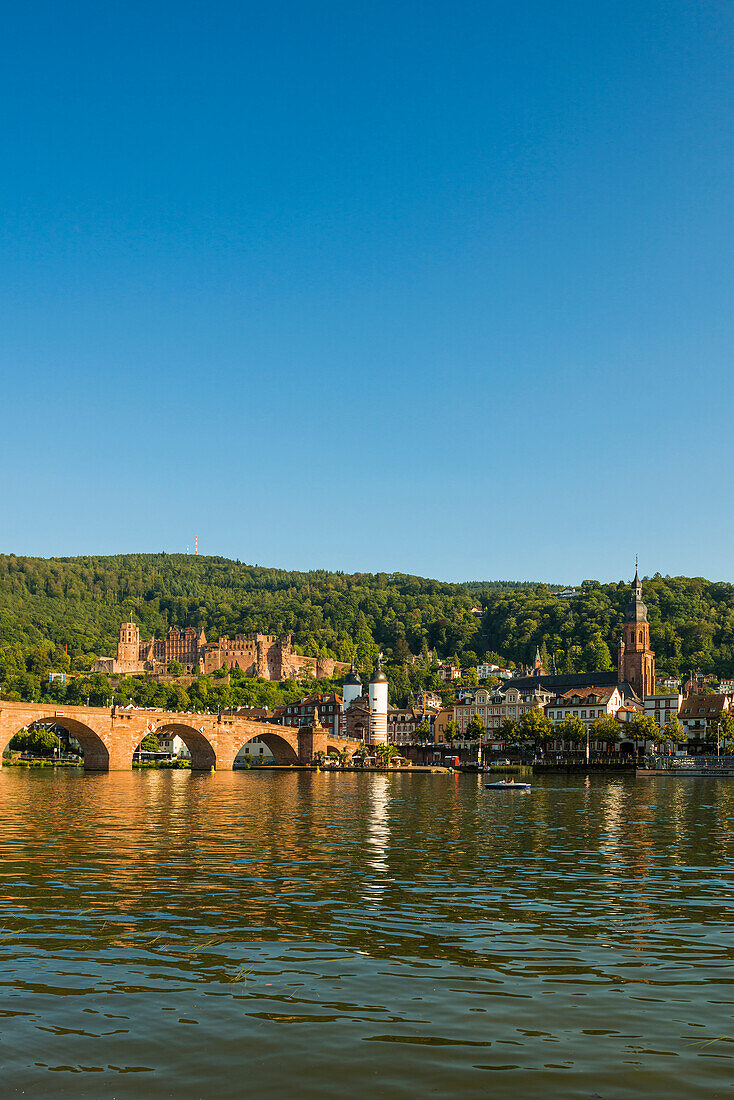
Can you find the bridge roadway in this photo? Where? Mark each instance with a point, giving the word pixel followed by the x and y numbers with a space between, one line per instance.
pixel 109 737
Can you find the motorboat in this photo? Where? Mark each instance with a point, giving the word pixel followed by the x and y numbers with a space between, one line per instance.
pixel 507 785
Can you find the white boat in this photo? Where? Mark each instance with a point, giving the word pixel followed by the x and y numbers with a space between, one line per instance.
pixel 507 785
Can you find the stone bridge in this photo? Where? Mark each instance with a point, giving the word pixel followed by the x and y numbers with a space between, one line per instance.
pixel 109 737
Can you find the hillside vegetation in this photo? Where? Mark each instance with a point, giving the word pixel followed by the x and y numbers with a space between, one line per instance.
pixel 60 613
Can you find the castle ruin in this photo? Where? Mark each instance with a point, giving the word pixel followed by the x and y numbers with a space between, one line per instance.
pixel 266 656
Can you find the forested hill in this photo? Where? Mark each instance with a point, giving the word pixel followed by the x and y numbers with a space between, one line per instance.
pixel 79 603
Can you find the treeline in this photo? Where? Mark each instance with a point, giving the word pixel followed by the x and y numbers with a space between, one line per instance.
pixel 691 624
pixel 203 693
pixel 61 613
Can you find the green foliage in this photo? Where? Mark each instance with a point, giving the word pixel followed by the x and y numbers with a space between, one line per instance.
pixel 385 754
pixel 475 728
pixel 535 727
pixel 175 668
pixel 673 732
pixel 423 731
pixel 451 731
pixel 605 729
pixel 58 614
pixel 723 728
pixel 39 742
pixel 510 732
pixel 571 729
pixel 642 727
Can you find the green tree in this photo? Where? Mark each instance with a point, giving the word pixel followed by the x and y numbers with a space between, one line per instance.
pixel 509 731
pixel 595 656
pixel 535 727
pixel 673 733
pixel 42 742
pixel 722 730
pixel 99 690
pixel 475 729
pixel 175 668
pixel 386 754
pixel 643 727
pixel 451 732
pixel 571 730
pixel 38 742
pixel 605 729
pixel 423 732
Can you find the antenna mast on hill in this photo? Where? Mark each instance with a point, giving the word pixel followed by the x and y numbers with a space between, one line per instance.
pixel 196 545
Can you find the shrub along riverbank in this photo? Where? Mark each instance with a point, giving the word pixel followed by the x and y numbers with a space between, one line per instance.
pixel 16 762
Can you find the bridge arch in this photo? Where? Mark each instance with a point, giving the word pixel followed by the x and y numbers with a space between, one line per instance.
pixel 281 748
pixel 203 756
pixel 95 752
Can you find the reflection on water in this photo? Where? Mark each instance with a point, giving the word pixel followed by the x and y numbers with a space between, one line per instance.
pixel 378 834
pixel 301 934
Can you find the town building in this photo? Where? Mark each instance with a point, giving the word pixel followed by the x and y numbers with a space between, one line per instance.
pixel 173 744
pixel 440 722
pixel 697 681
pixel 662 708
pixel 512 701
pixel 448 672
pixel 493 706
pixel 427 701
pixel 486 670
pixel 698 713
pixel 402 723
pixel 254 752
pixel 585 703
pixel 262 655
pixel 302 713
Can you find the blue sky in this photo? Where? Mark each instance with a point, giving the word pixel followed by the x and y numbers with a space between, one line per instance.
pixel 418 286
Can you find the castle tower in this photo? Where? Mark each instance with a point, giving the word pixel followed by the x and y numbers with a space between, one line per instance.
pixel 128 646
pixel 377 691
pixel 636 659
pixel 351 689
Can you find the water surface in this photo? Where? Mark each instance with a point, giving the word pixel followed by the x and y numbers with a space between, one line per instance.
pixel 293 934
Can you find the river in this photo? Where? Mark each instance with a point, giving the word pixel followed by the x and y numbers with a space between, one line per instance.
pixel 297 934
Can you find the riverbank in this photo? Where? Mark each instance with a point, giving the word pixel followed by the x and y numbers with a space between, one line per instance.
pixel 6 763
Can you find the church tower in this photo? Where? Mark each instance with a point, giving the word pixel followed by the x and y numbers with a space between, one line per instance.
pixel 128 647
pixel 636 659
pixel 538 669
